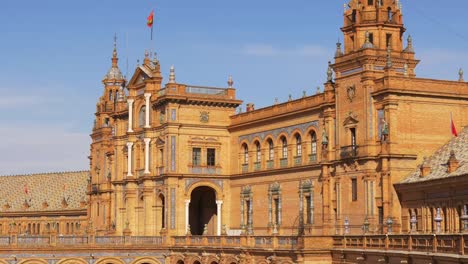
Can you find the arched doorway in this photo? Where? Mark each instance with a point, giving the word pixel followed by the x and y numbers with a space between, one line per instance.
pixel 202 210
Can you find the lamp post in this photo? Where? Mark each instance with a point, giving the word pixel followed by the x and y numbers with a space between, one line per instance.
pixel 438 220
pixel 346 226
pixel 414 222
pixel 389 225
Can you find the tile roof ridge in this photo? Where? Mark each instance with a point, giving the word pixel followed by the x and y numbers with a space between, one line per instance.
pixel 44 173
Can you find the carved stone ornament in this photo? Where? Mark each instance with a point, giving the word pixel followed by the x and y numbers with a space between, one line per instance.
pixel 351 92
pixel 204 117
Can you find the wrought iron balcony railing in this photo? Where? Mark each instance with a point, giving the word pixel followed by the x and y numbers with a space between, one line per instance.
pixel 349 152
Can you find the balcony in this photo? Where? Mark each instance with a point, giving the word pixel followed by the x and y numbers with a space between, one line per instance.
pixel 257 166
pixel 270 164
pixel 283 162
pixel 349 152
pixel 210 170
pixel 313 158
pixel 245 168
pixel 298 161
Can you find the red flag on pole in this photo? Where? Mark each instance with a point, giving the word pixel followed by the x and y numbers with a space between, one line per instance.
pixel 452 127
pixel 150 22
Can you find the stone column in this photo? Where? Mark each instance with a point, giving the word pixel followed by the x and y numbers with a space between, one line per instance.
pixel 130 115
pixel 219 204
pixel 187 204
pixel 147 151
pixel 129 158
pixel 148 109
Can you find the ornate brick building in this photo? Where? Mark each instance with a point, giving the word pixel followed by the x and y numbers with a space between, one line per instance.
pixel 172 162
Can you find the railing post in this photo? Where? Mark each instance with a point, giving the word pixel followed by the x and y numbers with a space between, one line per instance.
pixel 53 238
pixel 387 242
pixel 434 243
pixel 274 241
pixel 410 243
pixel 13 238
pixel 462 244
pixel 364 241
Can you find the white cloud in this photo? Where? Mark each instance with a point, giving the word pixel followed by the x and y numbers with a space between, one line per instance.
pixel 266 50
pixel 42 148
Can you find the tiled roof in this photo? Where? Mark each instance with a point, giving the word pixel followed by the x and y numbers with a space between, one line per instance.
pixel 439 160
pixel 61 191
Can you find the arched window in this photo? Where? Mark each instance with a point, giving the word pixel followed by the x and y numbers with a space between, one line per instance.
pixel 271 150
pixel 313 145
pixel 284 146
pixel 246 153
pixel 258 153
pixel 298 145
pixel 390 15
pixel 142 116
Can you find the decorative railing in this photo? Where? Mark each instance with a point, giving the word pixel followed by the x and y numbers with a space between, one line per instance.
pixel 257 166
pixel 205 90
pixel 283 162
pixel 33 241
pixel 72 240
pixel 349 152
pixel 297 160
pixel 270 164
pixel 435 243
pixel 204 170
pixel 312 158
pixel 245 168
pixel 4 240
pixel 116 240
pixel 146 240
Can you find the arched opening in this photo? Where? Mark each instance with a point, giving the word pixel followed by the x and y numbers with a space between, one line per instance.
pixel 298 145
pixel 196 262
pixel 142 116
pixel 161 212
pixel 202 211
pixel 180 262
pixel 258 153
pixel 246 153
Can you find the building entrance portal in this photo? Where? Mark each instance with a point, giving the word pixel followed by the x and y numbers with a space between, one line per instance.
pixel 202 211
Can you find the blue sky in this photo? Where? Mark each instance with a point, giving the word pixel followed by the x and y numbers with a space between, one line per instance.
pixel 54 54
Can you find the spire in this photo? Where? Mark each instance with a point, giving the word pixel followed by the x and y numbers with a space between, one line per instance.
pixel 172 78
pixel 114 72
pixel 460 75
pixel 230 82
pixel 368 43
pixel 409 48
pixel 114 53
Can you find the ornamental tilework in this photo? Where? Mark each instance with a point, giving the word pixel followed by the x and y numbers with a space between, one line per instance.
pixel 275 132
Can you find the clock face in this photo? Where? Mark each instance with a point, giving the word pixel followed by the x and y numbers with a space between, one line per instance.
pixel 351 92
pixel 204 117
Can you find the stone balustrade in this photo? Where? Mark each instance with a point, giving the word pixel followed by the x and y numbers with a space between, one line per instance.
pixel 430 243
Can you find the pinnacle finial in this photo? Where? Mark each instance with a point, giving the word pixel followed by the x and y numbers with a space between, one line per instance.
pixel 115 45
pixel 409 48
pixel 338 52
pixel 367 44
pixel 460 75
pixel 329 72
pixel 146 54
pixel 172 78
pixel 230 82
pixel 318 89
